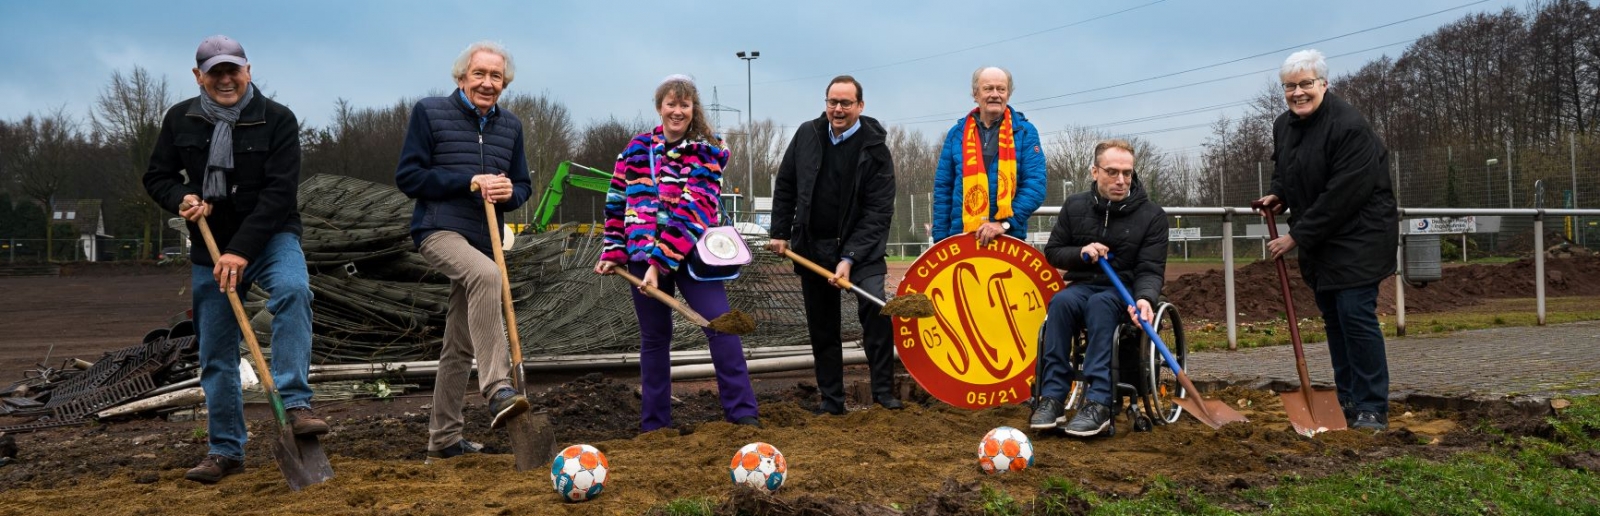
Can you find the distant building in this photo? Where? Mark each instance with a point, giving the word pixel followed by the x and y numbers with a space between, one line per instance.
pixel 88 223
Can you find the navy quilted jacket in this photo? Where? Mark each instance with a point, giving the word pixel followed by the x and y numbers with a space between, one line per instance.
pixel 444 148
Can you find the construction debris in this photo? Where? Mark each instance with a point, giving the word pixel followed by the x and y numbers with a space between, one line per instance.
pixel 378 305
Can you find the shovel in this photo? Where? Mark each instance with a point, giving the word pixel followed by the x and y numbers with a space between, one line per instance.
pixel 1211 412
pixel 532 440
pixel 301 459
pixel 909 305
pixel 1311 411
pixel 734 322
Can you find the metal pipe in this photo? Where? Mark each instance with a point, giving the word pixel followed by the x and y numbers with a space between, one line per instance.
pixel 1538 264
pixel 765 365
pixel 1400 287
pixel 1227 280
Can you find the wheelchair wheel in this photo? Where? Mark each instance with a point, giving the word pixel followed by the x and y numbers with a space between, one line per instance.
pixel 1162 382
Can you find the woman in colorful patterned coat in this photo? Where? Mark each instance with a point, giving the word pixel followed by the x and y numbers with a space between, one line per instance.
pixel 665 192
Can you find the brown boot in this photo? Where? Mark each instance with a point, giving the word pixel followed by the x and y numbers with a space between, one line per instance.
pixel 304 422
pixel 213 468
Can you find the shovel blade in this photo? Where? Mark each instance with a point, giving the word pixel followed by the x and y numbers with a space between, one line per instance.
pixel 301 459
pixel 1213 413
pixel 533 440
pixel 1313 411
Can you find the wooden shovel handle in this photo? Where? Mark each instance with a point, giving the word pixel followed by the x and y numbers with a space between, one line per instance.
pixel 244 322
pixel 505 290
pixel 843 282
pixel 694 317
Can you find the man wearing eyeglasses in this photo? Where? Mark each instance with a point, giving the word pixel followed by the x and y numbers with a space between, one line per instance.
pixel 1331 172
pixel 834 199
pixel 991 174
pixel 1117 217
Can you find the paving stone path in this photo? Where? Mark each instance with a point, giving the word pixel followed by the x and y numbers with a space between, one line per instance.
pixel 1523 365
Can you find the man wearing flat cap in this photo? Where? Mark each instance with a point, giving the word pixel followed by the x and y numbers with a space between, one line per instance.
pixel 232 156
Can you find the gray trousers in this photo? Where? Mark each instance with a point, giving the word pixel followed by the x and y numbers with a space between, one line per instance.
pixel 474 327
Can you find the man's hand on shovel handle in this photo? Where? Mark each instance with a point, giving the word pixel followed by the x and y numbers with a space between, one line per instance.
pixel 228 270
pixel 495 188
pixel 193 208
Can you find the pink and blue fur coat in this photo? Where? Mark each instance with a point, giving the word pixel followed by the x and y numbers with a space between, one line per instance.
pixel 658 217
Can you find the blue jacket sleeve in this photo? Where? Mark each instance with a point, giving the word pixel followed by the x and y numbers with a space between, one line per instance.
pixel 1031 178
pixel 415 176
pixel 521 177
pixel 945 182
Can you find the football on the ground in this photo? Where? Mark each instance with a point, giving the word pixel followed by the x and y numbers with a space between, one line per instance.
pixel 579 472
pixel 1005 449
pixel 759 465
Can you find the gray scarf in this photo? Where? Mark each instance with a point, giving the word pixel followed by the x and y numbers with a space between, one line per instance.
pixel 215 186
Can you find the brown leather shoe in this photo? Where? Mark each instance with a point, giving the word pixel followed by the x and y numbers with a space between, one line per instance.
pixel 304 422
pixel 213 468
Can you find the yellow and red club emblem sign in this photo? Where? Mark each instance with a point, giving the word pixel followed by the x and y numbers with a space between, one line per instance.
pixel 979 348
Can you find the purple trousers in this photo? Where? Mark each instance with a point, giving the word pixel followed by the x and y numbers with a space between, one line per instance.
pixel 655 347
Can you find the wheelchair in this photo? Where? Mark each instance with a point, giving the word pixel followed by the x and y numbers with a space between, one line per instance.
pixel 1144 385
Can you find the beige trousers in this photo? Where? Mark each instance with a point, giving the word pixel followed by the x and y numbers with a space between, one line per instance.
pixel 474 327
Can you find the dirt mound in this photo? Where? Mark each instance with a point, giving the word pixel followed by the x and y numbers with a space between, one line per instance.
pixel 870 461
pixel 1258 297
pixel 1257 294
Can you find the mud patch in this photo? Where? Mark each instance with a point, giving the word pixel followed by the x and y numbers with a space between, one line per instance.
pixel 920 460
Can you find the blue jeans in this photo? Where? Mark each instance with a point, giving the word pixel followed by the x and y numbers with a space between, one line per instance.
pixel 1097 308
pixel 281 271
pixel 1355 343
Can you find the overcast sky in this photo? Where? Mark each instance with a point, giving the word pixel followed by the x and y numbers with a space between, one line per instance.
pixel 604 58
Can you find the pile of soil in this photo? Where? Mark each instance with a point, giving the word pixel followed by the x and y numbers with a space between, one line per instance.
pixel 864 462
pixel 1258 296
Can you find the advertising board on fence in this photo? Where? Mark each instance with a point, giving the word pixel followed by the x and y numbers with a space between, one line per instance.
pixel 1441 225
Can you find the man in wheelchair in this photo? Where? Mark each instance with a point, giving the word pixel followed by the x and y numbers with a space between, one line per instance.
pixel 1114 216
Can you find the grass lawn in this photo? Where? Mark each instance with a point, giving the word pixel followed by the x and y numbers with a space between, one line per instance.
pixel 1491 313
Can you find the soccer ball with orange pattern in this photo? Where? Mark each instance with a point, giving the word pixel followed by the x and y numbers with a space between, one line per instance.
pixel 579 472
pixel 1005 449
pixel 759 465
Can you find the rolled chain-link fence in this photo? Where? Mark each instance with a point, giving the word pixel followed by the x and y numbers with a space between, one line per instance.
pixel 377 300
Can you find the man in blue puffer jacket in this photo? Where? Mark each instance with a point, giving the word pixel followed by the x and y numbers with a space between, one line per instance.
pixel 452 144
pixel 996 142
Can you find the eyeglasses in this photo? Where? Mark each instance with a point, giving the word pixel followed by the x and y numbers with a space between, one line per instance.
pixel 1307 84
pixel 841 103
pixel 1126 174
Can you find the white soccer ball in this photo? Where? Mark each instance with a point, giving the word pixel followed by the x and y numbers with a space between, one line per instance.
pixel 579 472
pixel 759 465
pixel 1005 449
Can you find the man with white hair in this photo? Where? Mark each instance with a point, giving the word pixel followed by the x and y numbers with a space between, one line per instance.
pixel 1331 172
pixel 454 143
pixel 991 174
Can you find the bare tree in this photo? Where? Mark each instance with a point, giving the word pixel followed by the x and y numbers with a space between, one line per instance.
pixel 361 142
pixel 42 162
pixel 127 116
pixel 757 150
pixel 1068 155
pixel 916 160
pixel 598 147
pixel 548 134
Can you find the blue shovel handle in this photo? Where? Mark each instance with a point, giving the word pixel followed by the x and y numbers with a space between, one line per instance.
pixel 1116 281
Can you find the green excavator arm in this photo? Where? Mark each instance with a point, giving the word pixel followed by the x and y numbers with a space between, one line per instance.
pixel 567 173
